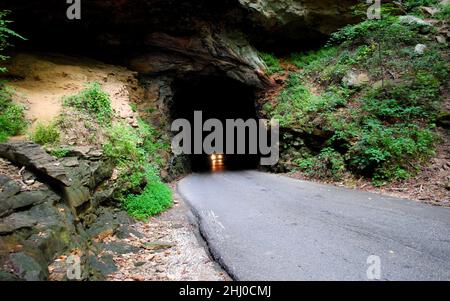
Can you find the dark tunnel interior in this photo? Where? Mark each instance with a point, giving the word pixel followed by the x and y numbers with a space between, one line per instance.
pixel 221 98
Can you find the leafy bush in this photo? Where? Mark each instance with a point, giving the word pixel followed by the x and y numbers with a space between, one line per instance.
pixel 272 63
pixel 45 134
pixel 132 149
pixel 328 164
pixel 126 144
pixel 92 100
pixel 12 117
pixel 385 150
pixel 155 198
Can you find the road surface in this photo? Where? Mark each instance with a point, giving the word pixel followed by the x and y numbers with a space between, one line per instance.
pixel 261 226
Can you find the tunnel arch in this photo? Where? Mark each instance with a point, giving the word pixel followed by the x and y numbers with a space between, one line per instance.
pixel 220 97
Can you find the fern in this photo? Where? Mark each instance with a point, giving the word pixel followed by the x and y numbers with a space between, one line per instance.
pixel 5 34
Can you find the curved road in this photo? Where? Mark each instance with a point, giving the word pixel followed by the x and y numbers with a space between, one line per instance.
pixel 266 227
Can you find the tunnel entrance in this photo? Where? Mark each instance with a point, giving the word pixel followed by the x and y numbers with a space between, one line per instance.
pixel 221 98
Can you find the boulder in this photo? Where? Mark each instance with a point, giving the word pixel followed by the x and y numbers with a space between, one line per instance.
pixel 74 178
pixel 28 268
pixel 413 20
pixel 355 79
pixel 15 222
pixel 20 201
pixel 35 159
pixel 441 39
pixel 35 228
pixel 420 48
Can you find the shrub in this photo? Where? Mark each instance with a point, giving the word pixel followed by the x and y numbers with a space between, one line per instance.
pixel 12 117
pixel 444 13
pixel 92 100
pixel 155 198
pixel 124 144
pixel 132 149
pixel 328 164
pixel 45 134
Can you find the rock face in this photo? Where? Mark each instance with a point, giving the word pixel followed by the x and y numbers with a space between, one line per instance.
pixel 34 226
pixel 180 37
pixel 33 157
pixel 60 216
pixel 293 18
pixel 74 179
pixel 211 52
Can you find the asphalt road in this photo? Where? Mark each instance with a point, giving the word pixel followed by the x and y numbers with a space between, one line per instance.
pixel 266 227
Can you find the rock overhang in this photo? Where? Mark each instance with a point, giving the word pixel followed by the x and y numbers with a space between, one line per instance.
pixel 179 37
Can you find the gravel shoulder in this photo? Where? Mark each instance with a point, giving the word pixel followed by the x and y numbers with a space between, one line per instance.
pixel 170 248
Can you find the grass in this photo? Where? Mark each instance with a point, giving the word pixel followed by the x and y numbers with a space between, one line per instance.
pixel 93 100
pixel 59 152
pixel 45 134
pixel 272 63
pixel 384 130
pixel 12 117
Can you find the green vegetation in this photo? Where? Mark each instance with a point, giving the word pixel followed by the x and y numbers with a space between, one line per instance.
pixel 132 149
pixel 155 198
pixel 137 153
pixel 92 100
pixel 272 63
pixel 12 117
pixel 5 34
pixel 368 99
pixel 327 164
pixel 59 152
pixel 45 134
